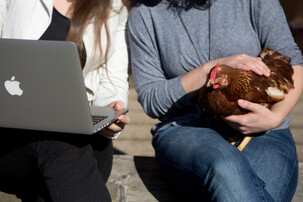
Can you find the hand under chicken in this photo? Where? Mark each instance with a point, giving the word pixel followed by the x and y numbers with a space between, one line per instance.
pixel 226 85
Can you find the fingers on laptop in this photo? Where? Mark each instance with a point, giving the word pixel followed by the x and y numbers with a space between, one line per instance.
pixel 117 105
pixel 123 119
pixel 114 129
pixel 109 132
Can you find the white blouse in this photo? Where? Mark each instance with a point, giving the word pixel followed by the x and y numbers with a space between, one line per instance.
pixel 30 19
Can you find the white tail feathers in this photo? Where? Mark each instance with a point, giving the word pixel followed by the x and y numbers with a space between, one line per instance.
pixel 275 93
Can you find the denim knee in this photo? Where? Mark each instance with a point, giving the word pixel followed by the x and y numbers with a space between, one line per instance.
pixel 198 161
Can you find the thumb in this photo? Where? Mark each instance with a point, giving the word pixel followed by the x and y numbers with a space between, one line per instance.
pixel 248 105
pixel 118 105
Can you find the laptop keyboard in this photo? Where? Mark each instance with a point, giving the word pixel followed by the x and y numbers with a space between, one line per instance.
pixel 97 119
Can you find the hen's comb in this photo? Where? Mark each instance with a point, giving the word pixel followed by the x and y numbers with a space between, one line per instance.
pixel 214 72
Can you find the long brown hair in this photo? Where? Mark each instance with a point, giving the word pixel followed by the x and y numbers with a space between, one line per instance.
pixel 85 12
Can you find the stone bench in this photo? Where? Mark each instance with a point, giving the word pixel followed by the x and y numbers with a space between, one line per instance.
pixel 136 179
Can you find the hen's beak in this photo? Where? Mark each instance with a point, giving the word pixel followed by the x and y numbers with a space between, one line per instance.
pixel 209 83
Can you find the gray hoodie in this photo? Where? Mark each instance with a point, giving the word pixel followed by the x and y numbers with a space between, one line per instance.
pixel 161 50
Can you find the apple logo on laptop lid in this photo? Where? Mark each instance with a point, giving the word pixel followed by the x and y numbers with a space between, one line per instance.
pixel 13 87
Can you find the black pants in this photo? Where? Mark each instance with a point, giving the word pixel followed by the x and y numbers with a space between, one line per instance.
pixel 46 166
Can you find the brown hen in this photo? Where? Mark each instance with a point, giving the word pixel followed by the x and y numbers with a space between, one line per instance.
pixel 226 85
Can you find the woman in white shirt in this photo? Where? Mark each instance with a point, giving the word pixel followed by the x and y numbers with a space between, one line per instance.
pixel 64 167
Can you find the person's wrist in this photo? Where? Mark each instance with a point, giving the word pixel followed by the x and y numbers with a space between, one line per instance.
pixel 115 136
pixel 205 68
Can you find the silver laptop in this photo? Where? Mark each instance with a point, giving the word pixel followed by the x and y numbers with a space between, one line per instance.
pixel 42 88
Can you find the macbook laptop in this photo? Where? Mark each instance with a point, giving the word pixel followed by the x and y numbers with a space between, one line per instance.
pixel 42 88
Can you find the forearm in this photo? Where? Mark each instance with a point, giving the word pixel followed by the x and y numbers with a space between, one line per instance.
pixel 113 85
pixel 195 79
pixel 284 107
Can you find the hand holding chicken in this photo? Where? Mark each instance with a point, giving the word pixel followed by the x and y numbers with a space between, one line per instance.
pixel 226 85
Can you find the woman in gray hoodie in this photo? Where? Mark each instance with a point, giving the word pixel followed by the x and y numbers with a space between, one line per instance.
pixel 174 44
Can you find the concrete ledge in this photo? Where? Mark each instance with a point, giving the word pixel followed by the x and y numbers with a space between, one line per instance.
pixel 136 179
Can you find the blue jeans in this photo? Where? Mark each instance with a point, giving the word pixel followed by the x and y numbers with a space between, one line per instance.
pixel 199 163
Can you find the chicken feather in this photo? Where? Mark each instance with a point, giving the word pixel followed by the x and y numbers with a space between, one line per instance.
pixel 247 85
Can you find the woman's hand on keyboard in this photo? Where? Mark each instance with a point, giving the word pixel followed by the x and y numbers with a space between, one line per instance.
pixel 113 130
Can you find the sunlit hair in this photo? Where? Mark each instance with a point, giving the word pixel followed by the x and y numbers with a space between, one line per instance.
pixel 83 13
